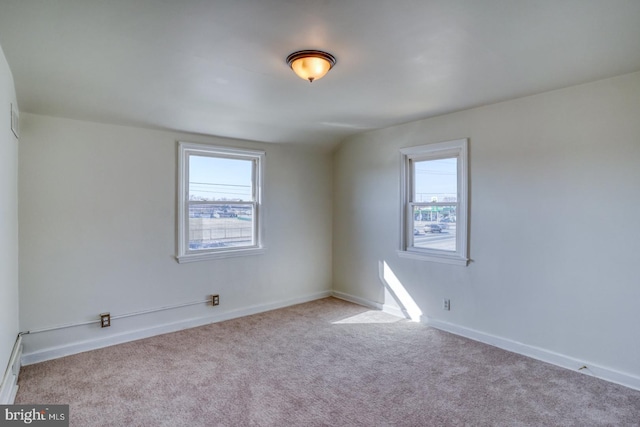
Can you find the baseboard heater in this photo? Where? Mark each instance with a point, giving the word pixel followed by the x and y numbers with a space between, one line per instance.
pixel 9 385
pixel 114 317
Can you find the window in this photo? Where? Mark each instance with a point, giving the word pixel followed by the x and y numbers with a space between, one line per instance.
pixel 434 202
pixel 219 205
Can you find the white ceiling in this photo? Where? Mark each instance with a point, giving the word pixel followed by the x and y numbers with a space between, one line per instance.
pixel 218 67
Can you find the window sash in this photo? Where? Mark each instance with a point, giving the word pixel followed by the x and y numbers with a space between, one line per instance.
pixel 254 171
pixel 444 230
pixel 253 207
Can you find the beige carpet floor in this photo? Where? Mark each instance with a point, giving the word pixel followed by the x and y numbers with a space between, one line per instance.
pixel 324 363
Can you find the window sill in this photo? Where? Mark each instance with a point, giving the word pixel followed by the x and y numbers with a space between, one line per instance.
pixel 219 255
pixel 442 258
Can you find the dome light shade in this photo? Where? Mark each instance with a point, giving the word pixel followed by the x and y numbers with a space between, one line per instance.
pixel 311 64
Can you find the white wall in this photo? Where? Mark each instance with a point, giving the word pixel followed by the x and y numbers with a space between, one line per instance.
pixel 8 218
pixel 554 224
pixel 98 233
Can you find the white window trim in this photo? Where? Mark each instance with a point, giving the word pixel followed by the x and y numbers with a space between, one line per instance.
pixel 184 150
pixel 459 149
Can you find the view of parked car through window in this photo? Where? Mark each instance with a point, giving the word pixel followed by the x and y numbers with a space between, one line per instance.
pixel 434 210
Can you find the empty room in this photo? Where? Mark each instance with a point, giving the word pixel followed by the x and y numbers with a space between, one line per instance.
pixel 300 213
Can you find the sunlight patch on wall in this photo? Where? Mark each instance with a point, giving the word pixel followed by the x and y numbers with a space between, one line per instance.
pixel 399 293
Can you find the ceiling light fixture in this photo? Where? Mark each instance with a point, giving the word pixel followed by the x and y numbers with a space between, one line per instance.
pixel 311 64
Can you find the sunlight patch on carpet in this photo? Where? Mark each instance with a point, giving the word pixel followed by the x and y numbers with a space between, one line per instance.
pixel 369 317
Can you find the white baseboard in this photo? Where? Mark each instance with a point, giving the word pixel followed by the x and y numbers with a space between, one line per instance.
pixel 541 354
pixel 9 385
pixel 79 347
pixel 371 304
pixel 357 300
pixel 561 360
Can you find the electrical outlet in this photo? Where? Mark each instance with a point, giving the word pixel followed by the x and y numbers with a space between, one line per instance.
pixel 446 304
pixel 105 320
pixel 215 299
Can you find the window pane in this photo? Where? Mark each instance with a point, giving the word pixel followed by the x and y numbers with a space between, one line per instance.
pixel 220 179
pixel 436 181
pixel 434 227
pixel 220 226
